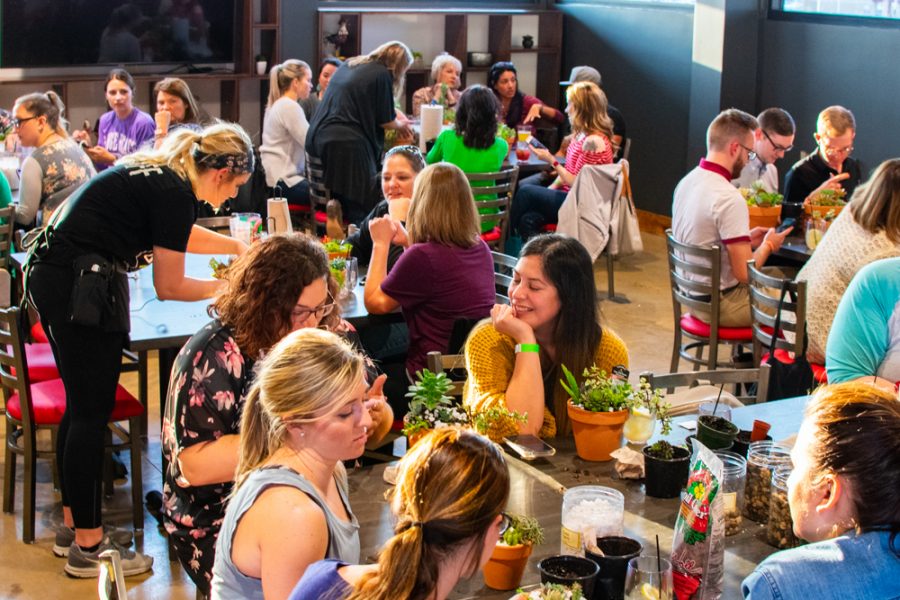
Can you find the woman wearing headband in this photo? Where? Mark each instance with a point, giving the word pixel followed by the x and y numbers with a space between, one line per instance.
pixel 143 208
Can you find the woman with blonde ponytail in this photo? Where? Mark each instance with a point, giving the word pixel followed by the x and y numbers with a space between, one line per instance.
pixel 283 149
pixel 304 415
pixel 144 208
pixel 447 502
pixel 56 168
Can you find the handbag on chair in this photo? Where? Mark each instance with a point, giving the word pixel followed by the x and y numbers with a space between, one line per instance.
pixel 629 229
pixel 788 379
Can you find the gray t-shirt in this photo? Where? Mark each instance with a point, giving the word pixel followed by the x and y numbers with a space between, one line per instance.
pixel 343 538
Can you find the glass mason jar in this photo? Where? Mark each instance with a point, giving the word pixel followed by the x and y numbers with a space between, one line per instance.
pixel 733 481
pixel 780 530
pixel 762 458
pixel 597 510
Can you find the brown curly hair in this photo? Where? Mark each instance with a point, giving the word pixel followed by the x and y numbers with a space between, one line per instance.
pixel 262 287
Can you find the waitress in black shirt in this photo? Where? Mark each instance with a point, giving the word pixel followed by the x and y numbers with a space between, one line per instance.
pixel 347 131
pixel 141 209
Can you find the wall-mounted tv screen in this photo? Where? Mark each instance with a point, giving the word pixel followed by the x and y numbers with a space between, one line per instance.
pixel 57 33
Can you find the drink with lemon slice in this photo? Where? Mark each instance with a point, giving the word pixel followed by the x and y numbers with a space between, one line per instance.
pixel 640 425
pixel 649 578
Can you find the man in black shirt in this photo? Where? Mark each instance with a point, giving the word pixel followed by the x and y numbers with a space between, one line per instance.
pixel 830 166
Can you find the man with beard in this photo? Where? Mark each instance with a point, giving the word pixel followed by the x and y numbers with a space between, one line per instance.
pixel 707 209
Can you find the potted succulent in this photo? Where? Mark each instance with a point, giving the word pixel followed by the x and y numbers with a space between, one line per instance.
pixel 665 469
pixel 568 570
pixel 430 407
pixel 716 433
pixel 826 201
pixel 504 569
pixel 552 591
pixel 261 63
pixel 507 133
pixel 764 207
pixel 598 409
pixel 336 248
pixel 417 62
pixel 647 407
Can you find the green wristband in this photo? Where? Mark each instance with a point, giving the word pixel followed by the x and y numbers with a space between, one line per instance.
pixel 527 348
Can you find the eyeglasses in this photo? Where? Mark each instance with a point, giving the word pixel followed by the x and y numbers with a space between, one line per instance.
pixel 17 122
pixel 750 153
pixel 302 314
pixel 831 152
pixel 776 146
pixel 505 522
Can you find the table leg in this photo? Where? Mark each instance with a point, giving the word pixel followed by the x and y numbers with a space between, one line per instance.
pixel 166 359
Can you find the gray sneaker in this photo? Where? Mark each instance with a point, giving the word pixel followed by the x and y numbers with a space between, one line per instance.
pixel 65 537
pixel 87 565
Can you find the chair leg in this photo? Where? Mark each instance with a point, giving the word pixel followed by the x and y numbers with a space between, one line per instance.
pixel 143 393
pixel 610 276
pixel 9 472
pixel 137 482
pixel 29 489
pixel 676 349
pixel 54 468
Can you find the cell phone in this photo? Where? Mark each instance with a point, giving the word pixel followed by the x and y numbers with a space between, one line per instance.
pixel 689 425
pixel 789 222
pixel 533 141
pixel 529 446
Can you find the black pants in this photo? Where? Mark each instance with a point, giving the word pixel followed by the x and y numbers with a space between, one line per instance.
pixel 89 361
pixel 533 207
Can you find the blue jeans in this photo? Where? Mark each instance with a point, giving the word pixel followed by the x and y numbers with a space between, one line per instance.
pixel 533 207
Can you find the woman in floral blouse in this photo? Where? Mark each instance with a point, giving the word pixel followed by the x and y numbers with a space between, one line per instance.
pixel 280 285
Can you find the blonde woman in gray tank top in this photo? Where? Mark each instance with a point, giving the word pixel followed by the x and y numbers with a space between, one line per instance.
pixel 303 416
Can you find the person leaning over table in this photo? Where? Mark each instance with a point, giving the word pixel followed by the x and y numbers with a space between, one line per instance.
pixel 517 108
pixel 514 359
pixel 304 415
pixel 445 72
pixel 446 272
pixel 123 129
pixel 57 166
pixel 329 65
pixel 281 284
pixel 447 505
pixel 844 496
pixel 868 229
pixel 864 343
pixel 143 208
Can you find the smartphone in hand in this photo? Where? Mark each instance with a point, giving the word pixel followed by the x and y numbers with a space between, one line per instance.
pixel 789 222
pixel 533 142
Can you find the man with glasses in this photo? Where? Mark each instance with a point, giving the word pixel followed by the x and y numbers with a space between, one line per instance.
pixel 773 138
pixel 708 210
pixel 830 166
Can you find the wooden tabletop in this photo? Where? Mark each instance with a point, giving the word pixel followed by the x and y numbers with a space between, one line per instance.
pixel 645 517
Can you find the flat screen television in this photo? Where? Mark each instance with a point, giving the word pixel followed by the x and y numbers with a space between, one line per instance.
pixel 64 33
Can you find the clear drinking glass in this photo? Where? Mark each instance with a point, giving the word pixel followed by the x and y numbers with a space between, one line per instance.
pixel 352 274
pixel 640 425
pixel 707 409
pixel 649 578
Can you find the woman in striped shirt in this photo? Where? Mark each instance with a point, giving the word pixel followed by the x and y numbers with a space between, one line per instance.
pixel 534 205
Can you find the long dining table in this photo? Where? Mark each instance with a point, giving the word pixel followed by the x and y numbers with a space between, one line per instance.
pixel 537 490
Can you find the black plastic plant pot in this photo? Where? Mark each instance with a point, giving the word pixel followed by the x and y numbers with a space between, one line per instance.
pixel 715 432
pixel 566 570
pixel 742 442
pixel 664 478
pixel 613 565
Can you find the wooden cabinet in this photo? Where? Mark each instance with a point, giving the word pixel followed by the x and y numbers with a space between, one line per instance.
pixel 463 32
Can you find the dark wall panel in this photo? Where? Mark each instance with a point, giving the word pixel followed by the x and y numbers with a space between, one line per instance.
pixel 644 55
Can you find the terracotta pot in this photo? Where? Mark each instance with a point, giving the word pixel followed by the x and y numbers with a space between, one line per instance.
pixel 764 216
pixel 596 433
pixel 415 437
pixel 503 571
pixel 809 209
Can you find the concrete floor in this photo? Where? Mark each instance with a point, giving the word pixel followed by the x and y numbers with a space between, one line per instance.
pixel 32 572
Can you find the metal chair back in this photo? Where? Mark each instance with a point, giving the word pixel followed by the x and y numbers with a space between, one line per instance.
pixel 503 275
pixel 758 376
pixel 7 224
pixel 497 198
pixel 764 307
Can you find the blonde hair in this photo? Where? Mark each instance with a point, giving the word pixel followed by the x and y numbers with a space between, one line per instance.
pixel 450 487
pixel 442 209
pixel 589 106
pixel 180 89
pixel 395 56
pixel 835 121
pixel 875 204
pixel 303 378
pixel 281 76
pixel 188 153
pixel 440 61
pixel 729 126
pixel 49 105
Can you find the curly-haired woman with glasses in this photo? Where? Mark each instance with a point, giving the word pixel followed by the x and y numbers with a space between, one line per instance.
pixel 280 285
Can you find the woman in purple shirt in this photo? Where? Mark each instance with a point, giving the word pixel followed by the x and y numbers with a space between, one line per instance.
pixel 446 273
pixel 123 129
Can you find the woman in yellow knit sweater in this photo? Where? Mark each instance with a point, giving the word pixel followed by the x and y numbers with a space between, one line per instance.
pixel 514 358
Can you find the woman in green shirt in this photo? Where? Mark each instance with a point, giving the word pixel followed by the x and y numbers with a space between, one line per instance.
pixel 473 144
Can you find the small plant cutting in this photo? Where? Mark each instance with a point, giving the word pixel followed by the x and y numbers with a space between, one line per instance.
pixel 552 591
pixel 430 406
pixel 496 422
pixel 665 469
pixel 756 195
pixel 651 400
pixel 508 560
pixel 829 197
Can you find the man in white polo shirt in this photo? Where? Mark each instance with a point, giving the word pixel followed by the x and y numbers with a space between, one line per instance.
pixel 707 209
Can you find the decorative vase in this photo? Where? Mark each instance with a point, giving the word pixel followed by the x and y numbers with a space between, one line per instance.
pixel 764 216
pixel 261 67
pixel 664 478
pixel 527 42
pixel 597 434
pixel 503 571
